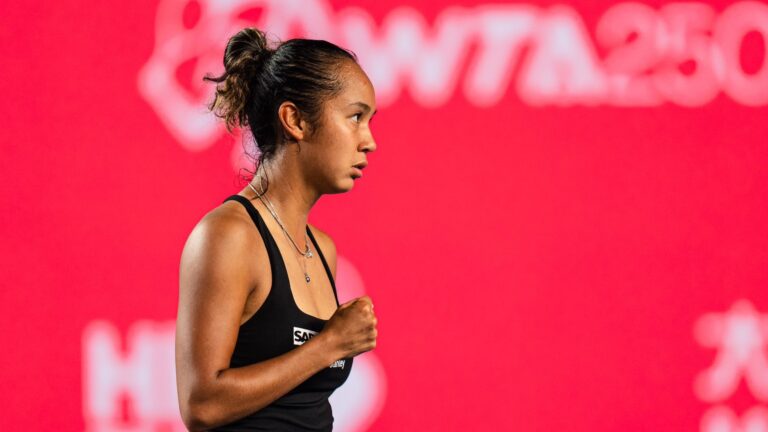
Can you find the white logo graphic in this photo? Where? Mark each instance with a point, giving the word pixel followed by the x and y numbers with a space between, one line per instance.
pixel 301 335
pixel 682 53
pixel 740 336
pixel 133 388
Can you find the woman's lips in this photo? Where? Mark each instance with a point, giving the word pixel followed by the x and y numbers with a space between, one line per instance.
pixel 358 171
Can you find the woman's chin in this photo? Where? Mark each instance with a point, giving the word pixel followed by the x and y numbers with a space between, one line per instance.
pixel 344 186
pixel 350 182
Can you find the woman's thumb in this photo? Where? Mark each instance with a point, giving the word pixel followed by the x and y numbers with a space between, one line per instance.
pixel 347 304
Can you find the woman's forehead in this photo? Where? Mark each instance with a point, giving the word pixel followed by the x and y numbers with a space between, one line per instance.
pixel 357 88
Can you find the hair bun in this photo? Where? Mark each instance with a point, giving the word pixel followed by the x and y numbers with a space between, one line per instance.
pixel 246 52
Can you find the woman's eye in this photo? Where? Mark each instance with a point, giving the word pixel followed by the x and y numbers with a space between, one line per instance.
pixel 357 117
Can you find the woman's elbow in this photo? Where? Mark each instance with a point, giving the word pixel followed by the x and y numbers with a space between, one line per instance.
pixel 197 405
pixel 196 416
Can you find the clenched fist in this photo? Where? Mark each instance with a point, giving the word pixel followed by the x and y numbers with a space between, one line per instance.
pixel 352 327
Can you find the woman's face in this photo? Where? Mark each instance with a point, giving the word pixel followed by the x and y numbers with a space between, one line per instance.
pixel 343 136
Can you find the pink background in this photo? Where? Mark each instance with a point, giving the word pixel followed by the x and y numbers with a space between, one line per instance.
pixel 535 267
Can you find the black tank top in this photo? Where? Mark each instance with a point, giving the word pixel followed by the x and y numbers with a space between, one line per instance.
pixel 276 328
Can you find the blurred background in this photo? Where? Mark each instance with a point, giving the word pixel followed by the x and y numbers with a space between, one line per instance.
pixel 564 226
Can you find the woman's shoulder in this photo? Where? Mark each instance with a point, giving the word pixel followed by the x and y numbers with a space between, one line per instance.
pixel 226 233
pixel 228 222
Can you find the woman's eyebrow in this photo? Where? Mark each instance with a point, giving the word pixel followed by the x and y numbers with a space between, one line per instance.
pixel 364 106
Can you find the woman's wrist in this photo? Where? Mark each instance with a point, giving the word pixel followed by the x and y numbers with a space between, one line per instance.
pixel 328 347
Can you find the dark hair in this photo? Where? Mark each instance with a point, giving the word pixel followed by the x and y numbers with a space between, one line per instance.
pixel 257 79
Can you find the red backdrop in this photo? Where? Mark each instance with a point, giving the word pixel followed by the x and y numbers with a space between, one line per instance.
pixel 563 226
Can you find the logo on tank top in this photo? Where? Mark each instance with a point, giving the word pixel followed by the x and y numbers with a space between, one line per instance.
pixel 301 335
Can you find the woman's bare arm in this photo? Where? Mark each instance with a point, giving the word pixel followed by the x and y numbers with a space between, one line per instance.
pixel 217 273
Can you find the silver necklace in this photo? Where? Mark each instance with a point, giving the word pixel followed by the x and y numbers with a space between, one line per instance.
pixel 307 251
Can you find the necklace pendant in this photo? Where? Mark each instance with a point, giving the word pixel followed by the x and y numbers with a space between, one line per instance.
pixel 309 254
pixel 306 276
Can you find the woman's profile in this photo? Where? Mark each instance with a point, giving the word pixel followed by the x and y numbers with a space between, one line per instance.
pixel 261 340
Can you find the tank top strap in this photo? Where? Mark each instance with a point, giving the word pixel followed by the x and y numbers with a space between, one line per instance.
pixel 325 264
pixel 254 214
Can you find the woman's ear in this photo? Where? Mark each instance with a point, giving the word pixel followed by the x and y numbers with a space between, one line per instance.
pixel 294 126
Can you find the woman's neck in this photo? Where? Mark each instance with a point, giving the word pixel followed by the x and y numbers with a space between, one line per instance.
pixel 290 196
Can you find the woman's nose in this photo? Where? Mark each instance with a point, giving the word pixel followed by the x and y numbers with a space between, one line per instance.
pixel 370 145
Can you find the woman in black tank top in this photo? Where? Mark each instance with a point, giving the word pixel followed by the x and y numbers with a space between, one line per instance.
pixel 261 344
